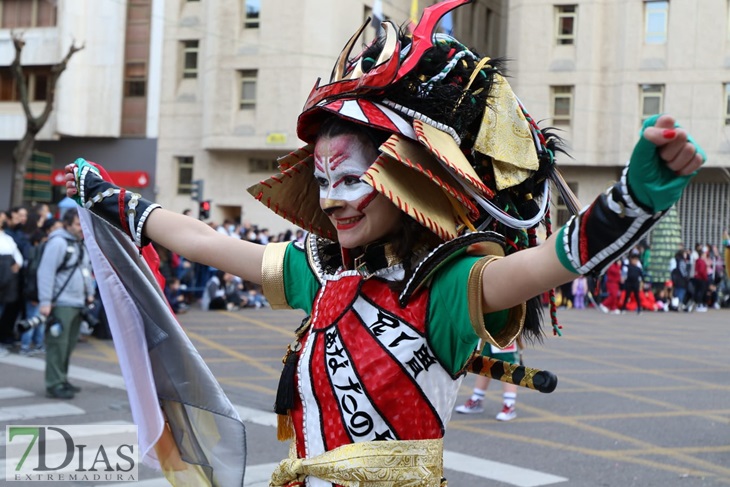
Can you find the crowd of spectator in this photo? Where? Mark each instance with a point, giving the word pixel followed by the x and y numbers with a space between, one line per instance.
pixel 699 278
pixel 23 232
pixel 699 281
pixel 48 299
pixel 189 283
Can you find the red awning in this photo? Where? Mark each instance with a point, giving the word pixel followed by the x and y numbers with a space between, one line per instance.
pixel 126 179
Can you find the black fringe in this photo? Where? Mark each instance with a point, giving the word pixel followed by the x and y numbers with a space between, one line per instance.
pixel 533 331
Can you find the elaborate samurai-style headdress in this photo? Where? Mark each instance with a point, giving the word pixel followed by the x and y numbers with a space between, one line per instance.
pixel 463 153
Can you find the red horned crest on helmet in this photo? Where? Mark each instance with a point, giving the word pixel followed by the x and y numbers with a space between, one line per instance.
pixel 349 79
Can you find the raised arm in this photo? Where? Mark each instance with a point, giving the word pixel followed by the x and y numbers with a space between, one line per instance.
pixel 186 236
pixel 197 242
pixel 661 165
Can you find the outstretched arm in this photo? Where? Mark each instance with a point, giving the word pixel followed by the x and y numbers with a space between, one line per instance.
pixel 663 162
pixel 186 236
pixel 198 242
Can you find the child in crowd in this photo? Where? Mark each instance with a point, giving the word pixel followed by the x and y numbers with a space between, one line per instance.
pixel 580 291
pixel 175 296
pixel 633 278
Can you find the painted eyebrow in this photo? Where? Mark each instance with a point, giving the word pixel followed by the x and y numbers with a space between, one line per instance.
pixel 337 159
pixel 342 179
pixel 334 161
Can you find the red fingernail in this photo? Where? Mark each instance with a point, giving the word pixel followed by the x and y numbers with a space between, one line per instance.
pixel 669 133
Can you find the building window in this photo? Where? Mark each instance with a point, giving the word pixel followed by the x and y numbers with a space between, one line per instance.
pixel 190 59
pixel 652 100
pixel 727 103
pixel 27 13
pixel 563 211
pixel 491 36
pixel 248 89
pixel 251 10
pixel 38 85
pixel 184 174
pixel 36 78
pixel 565 22
pixel 135 79
pixel 264 165
pixel 7 85
pixel 562 105
pixel 657 14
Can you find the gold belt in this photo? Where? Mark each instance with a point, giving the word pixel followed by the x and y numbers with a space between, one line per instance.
pixel 369 464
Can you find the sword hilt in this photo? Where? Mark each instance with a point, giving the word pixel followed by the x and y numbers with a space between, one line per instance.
pixel 539 380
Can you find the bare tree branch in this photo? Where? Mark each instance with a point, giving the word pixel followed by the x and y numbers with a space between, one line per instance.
pixel 56 71
pixel 23 150
pixel 19 75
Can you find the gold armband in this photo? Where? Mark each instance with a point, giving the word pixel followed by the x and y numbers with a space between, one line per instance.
pixel 272 275
pixel 515 320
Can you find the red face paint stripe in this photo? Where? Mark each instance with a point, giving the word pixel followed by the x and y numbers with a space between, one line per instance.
pixel 336 160
pixel 368 199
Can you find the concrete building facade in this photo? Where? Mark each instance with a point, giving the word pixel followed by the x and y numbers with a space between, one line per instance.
pixel 592 68
pixel 597 68
pixel 236 75
pixel 210 90
pixel 107 99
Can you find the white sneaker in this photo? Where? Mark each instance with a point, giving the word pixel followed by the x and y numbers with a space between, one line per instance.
pixel 603 308
pixel 701 309
pixel 470 407
pixel 507 413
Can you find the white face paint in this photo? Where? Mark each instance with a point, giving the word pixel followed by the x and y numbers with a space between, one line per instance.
pixel 359 213
pixel 339 162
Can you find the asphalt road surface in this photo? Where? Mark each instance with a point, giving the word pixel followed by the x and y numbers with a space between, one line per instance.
pixel 642 400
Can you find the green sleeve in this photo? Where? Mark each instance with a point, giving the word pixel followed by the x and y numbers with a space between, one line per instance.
pixel 450 331
pixel 300 283
pixel 650 180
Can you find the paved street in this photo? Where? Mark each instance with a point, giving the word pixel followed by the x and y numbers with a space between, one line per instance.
pixel 642 400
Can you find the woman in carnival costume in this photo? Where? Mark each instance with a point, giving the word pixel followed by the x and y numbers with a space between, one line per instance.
pixel 422 170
